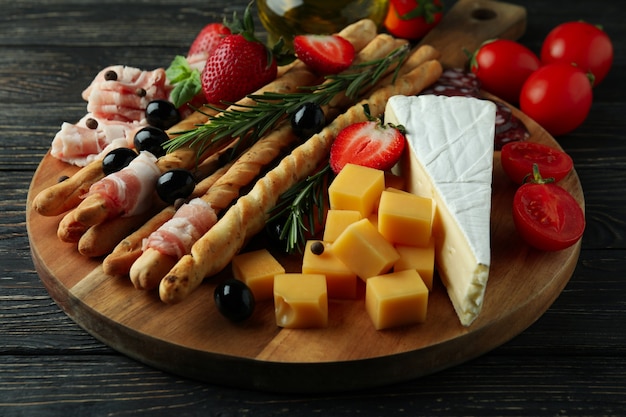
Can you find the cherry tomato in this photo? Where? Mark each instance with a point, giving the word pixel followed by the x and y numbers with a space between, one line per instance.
pixel 547 217
pixel 502 66
pixel 583 44
pixel 518 159
pixel 413 19
pixel 557 96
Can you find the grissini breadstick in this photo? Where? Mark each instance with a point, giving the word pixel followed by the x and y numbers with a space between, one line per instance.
pixel 70 230
pixel 213 251
pixel 65 195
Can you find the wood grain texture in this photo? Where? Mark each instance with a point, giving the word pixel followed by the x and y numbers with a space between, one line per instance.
pixel 570 362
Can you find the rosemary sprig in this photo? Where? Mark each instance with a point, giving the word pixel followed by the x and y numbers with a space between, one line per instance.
pixel 305 199
pixel 253 121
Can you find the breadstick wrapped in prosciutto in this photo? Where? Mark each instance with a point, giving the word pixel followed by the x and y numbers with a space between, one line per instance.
pixel 213 251
pixel 127 192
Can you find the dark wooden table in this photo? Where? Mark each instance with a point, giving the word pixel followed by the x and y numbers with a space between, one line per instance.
pixel 571 362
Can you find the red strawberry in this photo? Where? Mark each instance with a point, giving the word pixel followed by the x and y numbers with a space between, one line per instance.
pixel 237 67
pixel 208 39
pixel 324 54
pixel 369 144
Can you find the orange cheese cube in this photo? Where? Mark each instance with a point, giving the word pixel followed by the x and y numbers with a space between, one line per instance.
pixel 300 300
pixel 341 282
pixel 422 259
pixel 337 221
pixel 257 270
pixel 356 188
pixel 396 299
pixel 404 218
pixel 364 250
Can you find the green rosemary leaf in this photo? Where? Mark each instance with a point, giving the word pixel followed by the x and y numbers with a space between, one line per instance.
pixel 304 199
pixel 252 121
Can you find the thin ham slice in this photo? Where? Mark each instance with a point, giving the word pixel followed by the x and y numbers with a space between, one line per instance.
pixel 129 191
pixel 127 95
pixel 176 236
pixel 79 144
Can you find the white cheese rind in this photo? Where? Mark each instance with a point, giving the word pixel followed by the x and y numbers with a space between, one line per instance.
pixel 451 160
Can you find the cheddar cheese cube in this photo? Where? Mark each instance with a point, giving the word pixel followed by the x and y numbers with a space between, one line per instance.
pixel 364 250
pixel 396 299
pixel 300 300
pixel 356 188
pixel 257 270
pixel 337 221
pixel 422 259
pixel 404 218
pixel 341 282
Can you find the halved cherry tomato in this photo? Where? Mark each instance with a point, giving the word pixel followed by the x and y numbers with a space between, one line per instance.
pixel 546 216
pixel 557 96
pixel 518 159
pixel 502 66
pixel 413 19
pixel 583 44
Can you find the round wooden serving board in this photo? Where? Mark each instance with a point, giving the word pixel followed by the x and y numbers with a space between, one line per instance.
pixel 192 339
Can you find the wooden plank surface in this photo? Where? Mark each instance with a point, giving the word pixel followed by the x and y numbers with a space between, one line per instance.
pixel 570 362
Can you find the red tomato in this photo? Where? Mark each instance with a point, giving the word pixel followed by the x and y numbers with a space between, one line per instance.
pixel 558 97
pixel 412 19
pixel 518 159
pixel 502 66
pixel 547 217
pixel 583 44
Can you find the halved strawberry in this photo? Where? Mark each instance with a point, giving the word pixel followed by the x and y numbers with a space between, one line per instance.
pixel 369 144
pixel 324 54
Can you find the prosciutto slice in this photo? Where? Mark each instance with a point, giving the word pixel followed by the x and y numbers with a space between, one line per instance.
pixel 176 236
pixel 122 93
pixel 91 138
pixel 129 191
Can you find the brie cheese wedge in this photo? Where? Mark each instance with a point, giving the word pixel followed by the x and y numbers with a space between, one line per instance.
pixel 450 160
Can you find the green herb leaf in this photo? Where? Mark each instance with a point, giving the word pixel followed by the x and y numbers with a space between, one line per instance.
pixel 186 81
pixel 306 199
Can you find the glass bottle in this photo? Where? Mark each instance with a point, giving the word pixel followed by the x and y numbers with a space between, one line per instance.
pixel 288 18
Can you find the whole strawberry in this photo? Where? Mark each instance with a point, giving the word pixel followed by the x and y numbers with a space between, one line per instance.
pixel 239 65
pixel 207 40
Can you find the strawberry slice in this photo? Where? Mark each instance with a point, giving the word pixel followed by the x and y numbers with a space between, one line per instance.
pixel 324 54
pixel 369 144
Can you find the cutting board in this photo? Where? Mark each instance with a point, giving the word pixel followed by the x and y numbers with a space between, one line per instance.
pixel 193 340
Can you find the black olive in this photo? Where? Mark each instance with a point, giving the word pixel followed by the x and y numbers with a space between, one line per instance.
pixel 308 120
pixel 151 139
pixel 117 159
pixel 175 184
pixel 162 114
pixel 234 299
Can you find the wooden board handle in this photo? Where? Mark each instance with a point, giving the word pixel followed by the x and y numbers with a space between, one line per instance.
pixel 469 23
